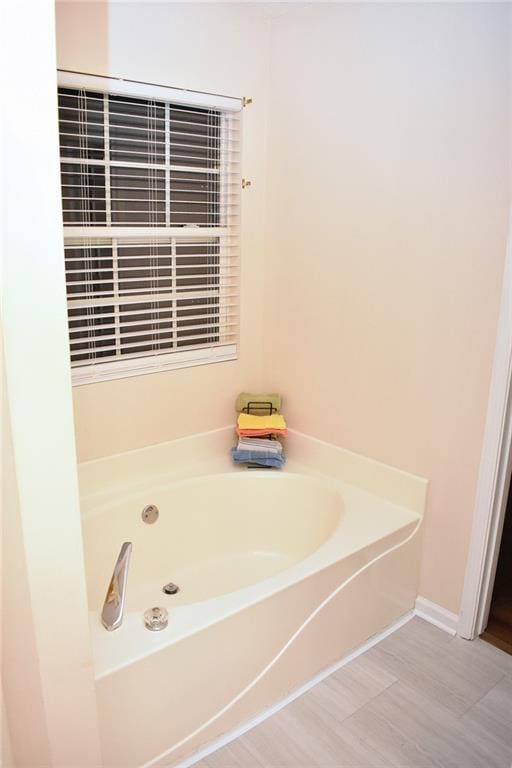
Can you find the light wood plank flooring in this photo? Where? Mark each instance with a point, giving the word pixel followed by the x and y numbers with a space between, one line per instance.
pixel 419 699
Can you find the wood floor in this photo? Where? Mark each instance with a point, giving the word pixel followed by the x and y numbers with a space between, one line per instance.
pixel 499 626
pixel 420 698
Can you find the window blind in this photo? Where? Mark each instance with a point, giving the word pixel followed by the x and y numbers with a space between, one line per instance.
pixel 151 208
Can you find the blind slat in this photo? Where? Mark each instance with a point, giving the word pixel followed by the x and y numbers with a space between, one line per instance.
pixel 212 317
pixel 102 304
pixel 227 308
pixel 113 301
pixel 142 336
pixel 164 338
pixel 149 359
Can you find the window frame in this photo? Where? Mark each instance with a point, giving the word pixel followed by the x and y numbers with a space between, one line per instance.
pixel 227 232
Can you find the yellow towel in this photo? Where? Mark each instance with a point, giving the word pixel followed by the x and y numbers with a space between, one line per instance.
pixel 249 421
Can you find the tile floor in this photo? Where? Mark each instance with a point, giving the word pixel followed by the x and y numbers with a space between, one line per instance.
pixel 420 698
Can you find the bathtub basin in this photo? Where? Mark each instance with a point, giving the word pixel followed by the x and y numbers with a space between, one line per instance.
pixel 228 540
pixel 214 535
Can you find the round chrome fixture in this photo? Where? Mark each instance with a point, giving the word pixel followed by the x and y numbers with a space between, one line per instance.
pixel 156 619
pixel 150 514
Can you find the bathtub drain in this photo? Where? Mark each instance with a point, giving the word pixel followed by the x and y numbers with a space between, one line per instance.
pixel 170 588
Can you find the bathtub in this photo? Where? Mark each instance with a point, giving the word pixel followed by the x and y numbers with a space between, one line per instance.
pixel 280 574
pixel 215 535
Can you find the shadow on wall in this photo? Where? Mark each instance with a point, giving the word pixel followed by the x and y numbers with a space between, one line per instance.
pixel 94 25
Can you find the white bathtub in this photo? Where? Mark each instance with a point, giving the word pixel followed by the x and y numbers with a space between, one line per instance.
pixel 215 535
pixel 280 574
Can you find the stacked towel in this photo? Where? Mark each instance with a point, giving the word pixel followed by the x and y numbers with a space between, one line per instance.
pixel 261 432
pixel 262 458
pixel 260 445
pixel 250 400
pixel 257 432
pixel 252 426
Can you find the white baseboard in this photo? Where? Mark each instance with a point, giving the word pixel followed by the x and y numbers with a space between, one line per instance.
pixel 436 615
pixel 226 738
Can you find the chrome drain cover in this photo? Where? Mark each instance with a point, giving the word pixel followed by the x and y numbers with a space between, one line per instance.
pixel 171 589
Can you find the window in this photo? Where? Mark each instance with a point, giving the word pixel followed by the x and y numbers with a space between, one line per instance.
pixel 150 200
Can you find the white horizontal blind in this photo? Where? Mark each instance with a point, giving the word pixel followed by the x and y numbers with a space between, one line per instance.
pixel 150 197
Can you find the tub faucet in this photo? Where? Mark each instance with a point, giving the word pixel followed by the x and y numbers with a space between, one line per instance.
pixel 112 613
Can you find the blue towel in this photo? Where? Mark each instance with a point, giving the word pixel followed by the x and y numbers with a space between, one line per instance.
pixel 266 459
pixel 274 463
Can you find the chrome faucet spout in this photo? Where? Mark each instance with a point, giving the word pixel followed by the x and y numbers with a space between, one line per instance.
pixel 113 607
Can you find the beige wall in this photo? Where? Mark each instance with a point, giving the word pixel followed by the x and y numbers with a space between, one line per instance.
pixel 385 221
pixel 6 755
pixel 219 49
pixel 389 149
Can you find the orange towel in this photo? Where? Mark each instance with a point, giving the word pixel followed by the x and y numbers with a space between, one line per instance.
pixel 261 432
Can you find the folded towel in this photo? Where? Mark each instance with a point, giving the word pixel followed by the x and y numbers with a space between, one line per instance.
pixel 249 421
pixel 243 455
pixel 261 432
pixel 256 449
pixel 264 463
pixel 244 398
pixel 256 444
pixel 265 459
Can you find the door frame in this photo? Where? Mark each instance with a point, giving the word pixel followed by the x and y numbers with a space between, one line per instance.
pixel 494 474
pixel 53 678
